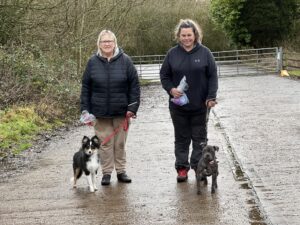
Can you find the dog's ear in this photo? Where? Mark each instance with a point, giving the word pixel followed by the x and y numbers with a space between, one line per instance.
pixel 216 148
pixel 85 140
pixel 96 140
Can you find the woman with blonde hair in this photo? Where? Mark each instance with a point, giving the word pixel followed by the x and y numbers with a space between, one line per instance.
pixel 111 92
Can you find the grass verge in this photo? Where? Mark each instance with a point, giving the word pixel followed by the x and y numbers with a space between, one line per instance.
pixel 294 73
pixel 18 128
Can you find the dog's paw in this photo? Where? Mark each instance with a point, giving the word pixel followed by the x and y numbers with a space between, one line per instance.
pixel 213 188
pixel 92 189
pixel 95 188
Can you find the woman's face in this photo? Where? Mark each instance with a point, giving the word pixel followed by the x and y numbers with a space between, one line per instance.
pixel 107 45
pixel 187 38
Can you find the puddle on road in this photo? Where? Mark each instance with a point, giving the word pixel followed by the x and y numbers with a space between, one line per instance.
pixel 245 186
pixel 256 216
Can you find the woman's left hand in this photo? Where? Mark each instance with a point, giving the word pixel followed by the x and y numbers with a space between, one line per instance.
pixel 211 103
pixel 130 114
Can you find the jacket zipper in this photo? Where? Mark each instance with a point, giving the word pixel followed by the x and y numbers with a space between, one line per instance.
pixel 108 87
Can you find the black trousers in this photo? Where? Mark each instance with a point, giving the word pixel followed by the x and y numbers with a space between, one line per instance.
pixel 189 128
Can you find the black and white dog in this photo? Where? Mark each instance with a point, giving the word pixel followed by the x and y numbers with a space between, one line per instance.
pixel 86 160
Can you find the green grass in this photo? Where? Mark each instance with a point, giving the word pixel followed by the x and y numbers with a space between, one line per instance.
pixel 18 127
pixel 294 73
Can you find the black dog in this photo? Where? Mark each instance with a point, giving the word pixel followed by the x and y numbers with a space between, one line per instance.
pixel 207 166
pixel 86 160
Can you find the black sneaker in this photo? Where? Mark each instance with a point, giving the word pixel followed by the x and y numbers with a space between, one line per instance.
pixel 122 177
pixel 105 179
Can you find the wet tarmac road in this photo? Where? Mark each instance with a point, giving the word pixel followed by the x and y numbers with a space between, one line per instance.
pixel 42 193
pixel 261 116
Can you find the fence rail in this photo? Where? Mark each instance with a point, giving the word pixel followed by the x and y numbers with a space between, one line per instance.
pixel 148 66
pixel 291 60
pixel 229 63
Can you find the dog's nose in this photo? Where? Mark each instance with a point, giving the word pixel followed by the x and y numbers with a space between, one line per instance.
pixel 207 156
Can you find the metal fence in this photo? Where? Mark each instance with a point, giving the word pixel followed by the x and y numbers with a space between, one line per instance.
pixel 229 63
pixel 148 66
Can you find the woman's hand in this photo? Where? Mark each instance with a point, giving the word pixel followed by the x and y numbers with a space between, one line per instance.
pixel 130 114
pixel 211 103
pixel 175 93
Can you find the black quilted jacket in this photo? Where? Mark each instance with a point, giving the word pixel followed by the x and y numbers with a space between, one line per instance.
pixel 111 88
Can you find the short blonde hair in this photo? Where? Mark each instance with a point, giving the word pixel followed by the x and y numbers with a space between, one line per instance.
pixel 110 33
pixel 188 23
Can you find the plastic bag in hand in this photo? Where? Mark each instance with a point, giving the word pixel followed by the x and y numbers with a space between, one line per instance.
pixel 87 118
pixel 183 86
pixel 182 100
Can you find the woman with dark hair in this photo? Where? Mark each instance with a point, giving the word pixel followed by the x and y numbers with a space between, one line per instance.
pixel 189 76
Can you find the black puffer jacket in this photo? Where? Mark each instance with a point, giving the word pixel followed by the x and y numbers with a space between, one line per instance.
pixel 199 67
pixel 111 88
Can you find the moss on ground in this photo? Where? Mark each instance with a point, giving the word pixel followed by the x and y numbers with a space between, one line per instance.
pixel 18 128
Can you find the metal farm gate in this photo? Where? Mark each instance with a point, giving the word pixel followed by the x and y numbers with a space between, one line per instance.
pixel 229 63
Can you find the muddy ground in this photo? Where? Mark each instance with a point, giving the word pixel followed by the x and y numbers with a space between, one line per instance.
pixel 257 118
